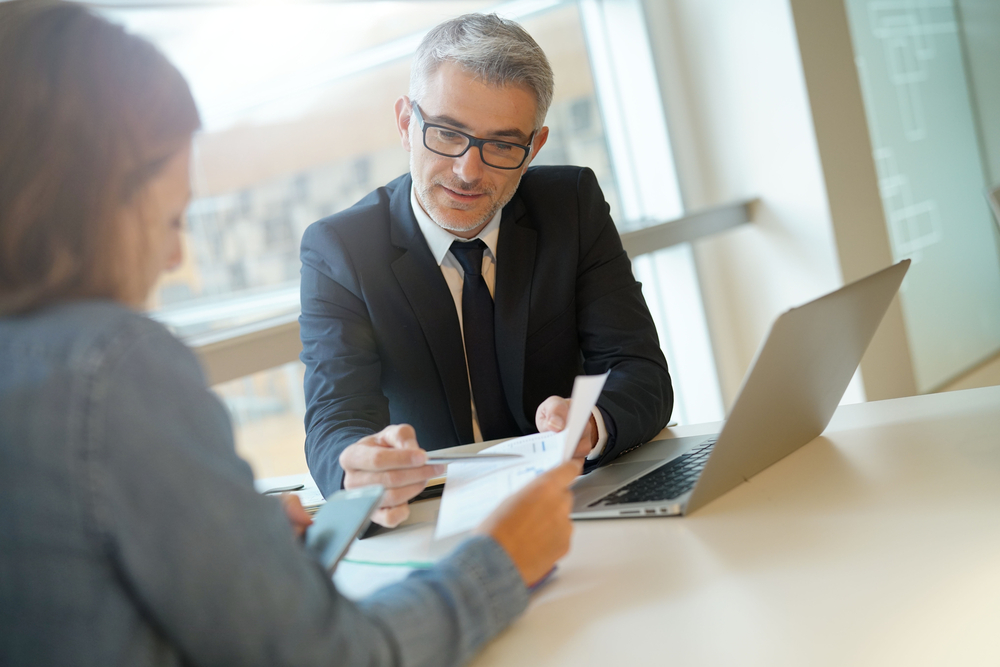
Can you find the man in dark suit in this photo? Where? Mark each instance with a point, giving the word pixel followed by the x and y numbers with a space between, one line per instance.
pixel 457 303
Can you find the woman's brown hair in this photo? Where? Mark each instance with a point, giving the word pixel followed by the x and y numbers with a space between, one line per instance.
pixel 88 115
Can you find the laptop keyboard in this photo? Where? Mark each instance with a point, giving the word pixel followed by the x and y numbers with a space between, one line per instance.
pixel 666 482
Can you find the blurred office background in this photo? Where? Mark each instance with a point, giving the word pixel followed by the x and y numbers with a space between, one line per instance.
pixel 861 132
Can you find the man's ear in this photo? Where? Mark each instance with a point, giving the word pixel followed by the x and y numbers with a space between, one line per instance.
pixel 404 114
pixel 537 142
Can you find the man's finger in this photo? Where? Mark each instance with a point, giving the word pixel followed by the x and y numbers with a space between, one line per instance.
pixel 390 517
pixel 400 436
pixel 392 479
pixel 360 456
pixel 400 495
pixel 551 414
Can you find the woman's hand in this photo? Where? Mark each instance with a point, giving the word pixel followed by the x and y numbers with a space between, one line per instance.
pixel 533 525
pixel 297 515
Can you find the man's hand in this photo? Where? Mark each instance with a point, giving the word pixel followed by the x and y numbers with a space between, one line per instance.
pixel 552 414
pixel 393 459
pixel 533 525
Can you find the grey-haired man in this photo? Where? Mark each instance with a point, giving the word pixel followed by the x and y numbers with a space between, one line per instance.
pixel 463 298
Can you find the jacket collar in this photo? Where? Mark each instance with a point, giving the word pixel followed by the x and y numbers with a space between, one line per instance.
pixel 427 292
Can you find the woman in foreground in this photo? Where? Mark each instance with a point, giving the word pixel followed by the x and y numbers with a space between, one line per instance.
pixel 130 532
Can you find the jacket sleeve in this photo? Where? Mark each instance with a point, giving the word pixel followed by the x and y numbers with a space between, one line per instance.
pixel 215 566
pixel 343 391
pixel 616 330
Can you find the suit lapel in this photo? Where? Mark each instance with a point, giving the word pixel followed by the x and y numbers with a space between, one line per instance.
pixel 511 298
pixel 425 288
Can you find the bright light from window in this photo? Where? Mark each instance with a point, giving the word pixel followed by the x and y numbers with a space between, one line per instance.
pixel 267 62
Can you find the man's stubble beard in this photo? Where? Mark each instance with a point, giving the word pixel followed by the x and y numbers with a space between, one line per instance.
pixel 432 210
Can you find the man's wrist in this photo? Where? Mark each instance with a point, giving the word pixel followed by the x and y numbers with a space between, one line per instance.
pixel 602 434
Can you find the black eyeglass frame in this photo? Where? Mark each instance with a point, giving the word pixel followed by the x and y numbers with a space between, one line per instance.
pixel 473 141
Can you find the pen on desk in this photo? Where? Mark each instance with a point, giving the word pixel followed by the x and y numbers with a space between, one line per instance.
pixel 284 489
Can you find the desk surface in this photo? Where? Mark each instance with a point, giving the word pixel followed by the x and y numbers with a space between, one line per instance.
pixel 876 544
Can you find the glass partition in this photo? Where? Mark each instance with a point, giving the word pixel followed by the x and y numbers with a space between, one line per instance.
pixel 912 64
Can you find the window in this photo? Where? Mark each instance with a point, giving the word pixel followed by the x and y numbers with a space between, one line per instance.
pixel 297 103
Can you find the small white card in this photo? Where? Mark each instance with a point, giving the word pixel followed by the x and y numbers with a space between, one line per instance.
pixel 473 490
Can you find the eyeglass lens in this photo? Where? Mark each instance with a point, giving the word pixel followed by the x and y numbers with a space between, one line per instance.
pixel 494 153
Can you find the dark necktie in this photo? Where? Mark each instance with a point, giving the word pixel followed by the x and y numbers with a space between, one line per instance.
pixel 495 420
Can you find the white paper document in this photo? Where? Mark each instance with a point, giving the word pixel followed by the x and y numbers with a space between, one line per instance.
pixel 473 490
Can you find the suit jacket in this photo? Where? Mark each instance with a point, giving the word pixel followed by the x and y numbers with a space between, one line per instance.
pixel 382 344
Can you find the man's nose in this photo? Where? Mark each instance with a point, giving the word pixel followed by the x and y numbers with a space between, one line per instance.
pixel 469 167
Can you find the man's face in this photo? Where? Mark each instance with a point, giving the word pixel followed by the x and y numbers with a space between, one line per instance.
pixel 462 194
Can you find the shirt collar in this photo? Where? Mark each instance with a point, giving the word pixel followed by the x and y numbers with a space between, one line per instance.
pixel 439 240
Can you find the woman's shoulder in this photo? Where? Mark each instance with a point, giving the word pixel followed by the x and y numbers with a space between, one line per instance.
pixel 89 334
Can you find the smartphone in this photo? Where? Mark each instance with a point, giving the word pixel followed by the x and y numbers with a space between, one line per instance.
pixel 344 516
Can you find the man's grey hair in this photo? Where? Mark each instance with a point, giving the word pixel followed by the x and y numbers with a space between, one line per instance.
pixel 497 51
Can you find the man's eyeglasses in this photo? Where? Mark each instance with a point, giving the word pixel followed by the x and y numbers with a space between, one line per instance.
pixel 452 143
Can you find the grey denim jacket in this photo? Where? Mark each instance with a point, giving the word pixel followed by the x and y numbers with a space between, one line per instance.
pixel 130 532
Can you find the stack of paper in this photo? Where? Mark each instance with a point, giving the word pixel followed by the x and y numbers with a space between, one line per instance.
pixel 301 485
pixel 475 489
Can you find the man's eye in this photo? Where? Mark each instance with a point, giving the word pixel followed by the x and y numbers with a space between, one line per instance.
pixel 501 148
pixel 445 135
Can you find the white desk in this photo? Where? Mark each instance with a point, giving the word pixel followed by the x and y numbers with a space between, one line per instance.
pixel 876 544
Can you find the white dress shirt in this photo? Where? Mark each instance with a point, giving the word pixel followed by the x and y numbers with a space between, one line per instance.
pixel 439 241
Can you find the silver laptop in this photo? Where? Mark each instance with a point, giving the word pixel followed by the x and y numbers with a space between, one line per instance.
pixel 788 397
